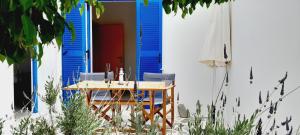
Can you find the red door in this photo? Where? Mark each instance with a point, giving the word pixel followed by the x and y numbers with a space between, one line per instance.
pixel 108 46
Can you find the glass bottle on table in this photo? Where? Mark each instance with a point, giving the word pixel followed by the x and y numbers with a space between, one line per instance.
pixel 107 70
pixel 121 76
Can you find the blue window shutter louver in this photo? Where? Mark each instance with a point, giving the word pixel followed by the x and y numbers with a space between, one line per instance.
pixel 74 51
pixel 149 37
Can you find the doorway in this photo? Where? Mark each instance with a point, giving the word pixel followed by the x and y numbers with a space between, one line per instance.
pixel 108 46
pixel 114 38
pixel 22 85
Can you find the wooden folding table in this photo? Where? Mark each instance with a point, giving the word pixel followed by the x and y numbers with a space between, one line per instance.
pixel 152 87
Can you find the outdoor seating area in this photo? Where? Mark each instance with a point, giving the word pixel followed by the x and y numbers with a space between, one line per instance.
pixel 103 94
pixel 149 67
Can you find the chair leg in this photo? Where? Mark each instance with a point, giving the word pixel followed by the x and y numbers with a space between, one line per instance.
pixel 172 105
pixel 146 117
pixel 103 113
pixel 168 122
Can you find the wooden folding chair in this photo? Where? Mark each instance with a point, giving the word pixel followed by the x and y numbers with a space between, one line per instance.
pixel 170 80
pixel 98 99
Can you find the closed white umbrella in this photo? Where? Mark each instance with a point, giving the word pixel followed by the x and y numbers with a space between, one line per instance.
pixel 218 40
pixel 218 35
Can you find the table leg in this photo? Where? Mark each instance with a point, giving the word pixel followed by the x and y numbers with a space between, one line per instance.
pixel 164 126
pixel 88 97
pixel 131 106
pixel 151 97
pixel 172 106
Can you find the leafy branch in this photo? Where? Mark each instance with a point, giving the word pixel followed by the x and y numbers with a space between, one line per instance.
pixel 187 6
pixel 28 25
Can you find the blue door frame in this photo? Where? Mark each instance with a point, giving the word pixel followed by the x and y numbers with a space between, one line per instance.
pixel 75 53
pixel 35 85
pixel 148 41
pixel 148 37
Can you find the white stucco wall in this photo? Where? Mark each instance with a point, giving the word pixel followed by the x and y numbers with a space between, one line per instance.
pixel 182 45
pixel 7 94
pixel 265 36
pixel 50 67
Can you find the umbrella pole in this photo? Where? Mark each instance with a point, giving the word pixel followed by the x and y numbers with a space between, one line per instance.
pixel 213 82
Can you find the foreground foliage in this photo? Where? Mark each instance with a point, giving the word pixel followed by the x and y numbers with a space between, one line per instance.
pixel 211 125
pixel 28 25
pixel 188 6
pixel 23 127
pixel 77 118
pixel 262 121
pixel 41 127
pixel 50 97
pixel 1 125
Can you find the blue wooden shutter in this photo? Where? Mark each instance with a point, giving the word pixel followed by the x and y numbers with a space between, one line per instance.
pixel 149 28
pixel 35 85
pixel 74 51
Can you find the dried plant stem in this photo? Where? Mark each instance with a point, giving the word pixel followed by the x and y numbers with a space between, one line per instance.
pixel 298 131
pixel 265 128
pixel 221 88
pixel 265 101
pixel 281 98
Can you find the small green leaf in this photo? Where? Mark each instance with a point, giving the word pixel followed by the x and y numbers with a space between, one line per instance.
pixel 26 4
pixel 167 7
pixel 2 57
pixel 28 29
pixel 9 60
pixel 40 54
pixel 99 9
pixel 146 2
pixel 72 30
pixel 201 2
pixel 12 5
pixel 190 10
pixel 208 2
pixel 184 12
pixel 40 3
pixel 175 6
pixel 58 40
pixel 81 9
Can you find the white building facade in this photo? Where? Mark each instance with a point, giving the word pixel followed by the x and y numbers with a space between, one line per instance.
pixel 265 35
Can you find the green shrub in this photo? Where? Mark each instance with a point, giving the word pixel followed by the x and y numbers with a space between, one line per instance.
pixel 23 127
pixel 1 125
pixel 50 97
pixel 77 118
pixel 41 127
pixel 214 123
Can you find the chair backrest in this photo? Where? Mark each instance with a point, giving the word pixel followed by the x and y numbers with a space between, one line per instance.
pixel 169 78
pixel 99 76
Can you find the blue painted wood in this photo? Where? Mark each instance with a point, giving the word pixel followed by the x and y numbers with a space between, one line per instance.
pixel 149 37
pixel 117 0
pixel 35 85
pixel 89 28
pixel 74 51
pixel 138 39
